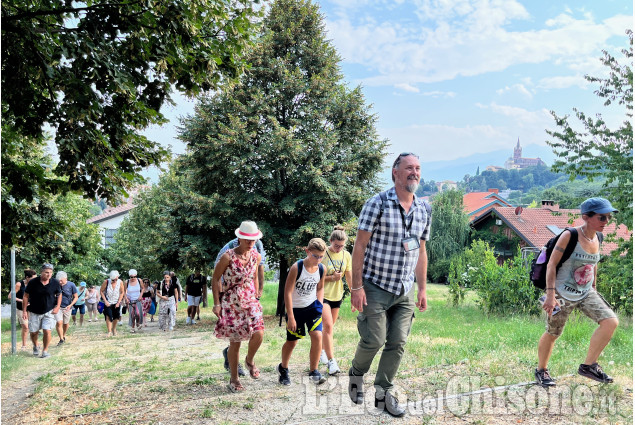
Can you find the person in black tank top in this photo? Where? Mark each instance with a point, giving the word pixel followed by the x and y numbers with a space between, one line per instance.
pixel 19 294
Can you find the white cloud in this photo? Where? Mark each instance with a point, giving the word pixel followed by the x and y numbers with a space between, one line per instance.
pixel 520 88
pixel 563 82
pixel 407 87
pixel 522 117
pixel 467 38
pixel 438 93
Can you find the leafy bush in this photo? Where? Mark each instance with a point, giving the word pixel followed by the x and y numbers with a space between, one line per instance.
pixel 615 280
pixel 501 289
pixel 438 270
pixel 457 281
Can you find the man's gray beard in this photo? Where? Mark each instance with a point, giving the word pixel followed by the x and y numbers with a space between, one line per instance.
pixel 412 187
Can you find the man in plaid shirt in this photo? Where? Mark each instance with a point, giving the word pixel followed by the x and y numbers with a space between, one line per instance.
pixel 389 251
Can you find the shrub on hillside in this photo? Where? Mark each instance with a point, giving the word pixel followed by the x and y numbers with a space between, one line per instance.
pixel 501 289
pixel 615 281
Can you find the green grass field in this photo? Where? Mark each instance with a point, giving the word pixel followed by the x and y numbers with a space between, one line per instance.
pixel 445 342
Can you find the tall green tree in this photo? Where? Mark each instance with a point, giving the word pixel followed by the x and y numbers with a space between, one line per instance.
pixel 96 73
pixel 600 152
pixel 597 150
pixel 75 246
pixel 449 234
pixel 289 146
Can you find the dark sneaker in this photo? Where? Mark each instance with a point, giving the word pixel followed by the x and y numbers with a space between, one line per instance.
pixel 316 377
pixel 60 343
pixel 543 378
pixel 36 351
pixel 594 372
pixel 241 371
pixel 390 404
pixel 355 387
pixel 283 375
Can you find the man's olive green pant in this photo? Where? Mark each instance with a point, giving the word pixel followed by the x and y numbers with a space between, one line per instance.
pixel 385 321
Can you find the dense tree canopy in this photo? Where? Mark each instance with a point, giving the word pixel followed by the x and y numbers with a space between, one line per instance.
pixel 599 151
pixel 290 145
pixel 95 74
pixel 449 234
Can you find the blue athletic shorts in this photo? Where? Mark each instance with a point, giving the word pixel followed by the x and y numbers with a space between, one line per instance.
pixel 309 317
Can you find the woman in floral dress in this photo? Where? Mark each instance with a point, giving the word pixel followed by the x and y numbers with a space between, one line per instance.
pixel 239 311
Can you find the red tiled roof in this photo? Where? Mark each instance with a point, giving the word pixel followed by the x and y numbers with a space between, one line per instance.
pixel 476 201
pixel 531 224
pixel 111 212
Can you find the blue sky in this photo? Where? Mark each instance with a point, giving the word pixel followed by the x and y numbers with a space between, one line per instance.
pixel 450 78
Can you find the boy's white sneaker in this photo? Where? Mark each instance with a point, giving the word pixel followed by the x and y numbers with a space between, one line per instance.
pixel 188 320
pixel 334 369
pixel 323 358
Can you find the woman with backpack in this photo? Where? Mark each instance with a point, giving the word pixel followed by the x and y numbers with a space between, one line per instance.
pixel 112 292
pixel 573 286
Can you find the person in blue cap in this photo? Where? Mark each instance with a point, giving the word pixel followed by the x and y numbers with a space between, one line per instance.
pixel 80 304
pixel 573 286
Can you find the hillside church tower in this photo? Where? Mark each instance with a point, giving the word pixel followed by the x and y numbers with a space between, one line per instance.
pixel 518 151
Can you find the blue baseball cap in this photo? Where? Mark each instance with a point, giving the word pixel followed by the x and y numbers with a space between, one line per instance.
pixel 82 283
pixel 597 205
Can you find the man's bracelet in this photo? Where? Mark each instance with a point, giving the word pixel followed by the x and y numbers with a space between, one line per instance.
pixel 216 305
pixel 357 289
pixel 550 289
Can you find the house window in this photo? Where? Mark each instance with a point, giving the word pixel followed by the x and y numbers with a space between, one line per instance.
pixel 109 237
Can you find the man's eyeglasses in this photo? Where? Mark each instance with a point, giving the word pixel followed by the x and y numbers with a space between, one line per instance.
pixel 317 257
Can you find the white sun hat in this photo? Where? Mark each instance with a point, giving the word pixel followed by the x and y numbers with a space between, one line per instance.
pixel 248 230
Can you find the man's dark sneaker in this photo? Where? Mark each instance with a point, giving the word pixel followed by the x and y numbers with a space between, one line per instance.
pixel 241 372
pixel 36 351
pixel 390 404
pixel 355 387
pixel 60 343
pixel 543 378
pixel 316 377
pixel 594 372
pixel 283 375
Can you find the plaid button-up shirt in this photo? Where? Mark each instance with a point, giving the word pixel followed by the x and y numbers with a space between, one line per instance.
pixel 386 264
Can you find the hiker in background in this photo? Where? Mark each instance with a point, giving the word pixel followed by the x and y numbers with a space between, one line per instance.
pixel 303 295
pixel 92 298
pixel 261 281
pixel 176 281
pixel 147 293
pixel 19 294
pixel 239 312
pixel 193 294
pixel 155 300
pixel 133 297
pixel 80 304
pixel 42 298
pixel 572 287
pixel 338 264
pixel 389 251
pixel 112 292
pixel 168 293
pixel 69 298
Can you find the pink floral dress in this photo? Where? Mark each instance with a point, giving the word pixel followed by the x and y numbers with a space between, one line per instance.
pixel 241 312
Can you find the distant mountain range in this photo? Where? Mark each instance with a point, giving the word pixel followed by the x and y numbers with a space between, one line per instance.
pixel 438 171
pixel 455 169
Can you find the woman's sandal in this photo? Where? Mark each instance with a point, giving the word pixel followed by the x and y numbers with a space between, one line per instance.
pixel 254 372
pixel 235 387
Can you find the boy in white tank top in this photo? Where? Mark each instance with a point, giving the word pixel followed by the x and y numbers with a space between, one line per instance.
pixel 303 295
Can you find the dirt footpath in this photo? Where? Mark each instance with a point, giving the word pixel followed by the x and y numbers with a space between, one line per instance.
pixel 156 377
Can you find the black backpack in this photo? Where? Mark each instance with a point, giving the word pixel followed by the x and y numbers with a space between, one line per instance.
pixel 300 267
pixel 538 271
